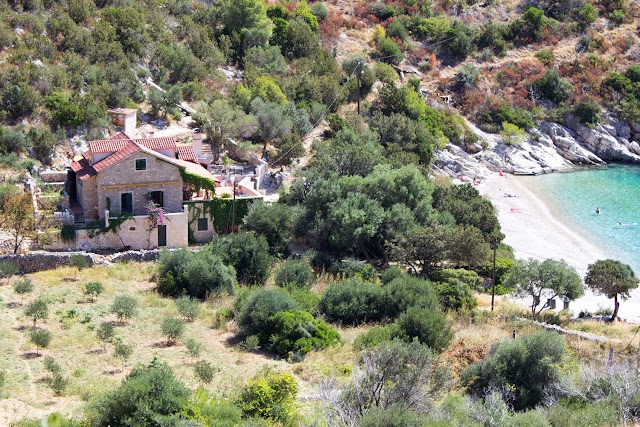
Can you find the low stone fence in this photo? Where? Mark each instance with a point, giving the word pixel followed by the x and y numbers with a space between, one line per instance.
pixel 41 261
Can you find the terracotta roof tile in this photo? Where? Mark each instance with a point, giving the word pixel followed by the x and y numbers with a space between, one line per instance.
pixel 120 135
pixel 186 152
pixel 119 141
pixel 107 145
pixel 116 157
pixel 83 169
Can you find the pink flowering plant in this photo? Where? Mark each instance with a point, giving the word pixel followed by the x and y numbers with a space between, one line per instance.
pixel 156 214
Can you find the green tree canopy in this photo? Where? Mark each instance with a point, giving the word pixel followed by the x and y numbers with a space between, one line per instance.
pixel 612 279
pixel 544 280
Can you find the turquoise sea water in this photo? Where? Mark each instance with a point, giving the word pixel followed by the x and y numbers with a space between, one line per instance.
pixel 574 196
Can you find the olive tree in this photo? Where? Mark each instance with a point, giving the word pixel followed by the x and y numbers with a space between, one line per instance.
pixel 37 310
pixel 546 280
pixel 611 278
pixel 41 338
pixel 124 306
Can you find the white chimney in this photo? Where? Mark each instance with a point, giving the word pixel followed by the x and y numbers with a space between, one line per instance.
pixel 197 144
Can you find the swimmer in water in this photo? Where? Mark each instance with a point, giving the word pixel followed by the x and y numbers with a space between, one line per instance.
pixel 598 210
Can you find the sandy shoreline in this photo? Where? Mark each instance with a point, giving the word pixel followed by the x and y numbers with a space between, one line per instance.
pixel 533 231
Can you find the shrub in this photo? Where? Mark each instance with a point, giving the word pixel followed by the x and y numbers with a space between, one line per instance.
pixel 193 347
pixel 255 316
pixel 553 87
pixel 512 134
pixel 271 395
pixel 247 253
pixel 105 332
pixel 188 308
pixel 530 365
pixel 251 343
pixel 391 273
pixel 546 56
pixel 194 274
pixel 353 301
pixel 23 286
pixel 406 291
pixel 122 351
pixel 205 371
pixel 467 75
pixel 79 262
pixel 37 310
pixel 148 396
pixel 389 51
pixel 617 16
pixel 94 289
pixel 51 365
pixel 124 307
pixel 8 268
pixel 395 416
pixel 41 338
pixel 430 327
pixel 468 277
pixel 456 295
pixel 385 73
pixel 172 328
pixel 377 335
pixel 295 273
pixel 588 112
pixel 307 300
pixel 354 268
pixel 299 332
pixel 319 11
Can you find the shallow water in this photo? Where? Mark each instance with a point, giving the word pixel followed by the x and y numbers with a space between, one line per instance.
pixel 615 190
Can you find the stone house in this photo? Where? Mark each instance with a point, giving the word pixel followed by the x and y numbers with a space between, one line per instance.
pixel 115 179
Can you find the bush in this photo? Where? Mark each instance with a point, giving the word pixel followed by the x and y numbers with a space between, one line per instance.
pixel 41 338
pixel 271 395
pixel 124 307
pixel 530 365
pixel 353 301
pixel 295 273
pixel 106 332
pixel 23 286
pixel 430 327
pixel 299 332
pixel 405 292
pixel 94 289
pixel 255 315
pixel 617 16
pixel 196 274
pixel 456 295
pixel 377 335
pixel 354 268
pixel 37 310
pixel 468 277
pixel 588 112
pixel 307 300
pixel 193 347
pixel 389 51
pixel 188 308
pixel 247 253
pixel 385 73
pixel 319 11
pixel 467 75
pixel 395 416
pixel 512 134
pixel 205 371
pixel 148 396
pixel 553 87
pixel 172 328
pixel 391 273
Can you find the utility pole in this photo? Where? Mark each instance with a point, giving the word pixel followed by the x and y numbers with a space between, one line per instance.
pixel 233 209
pixel 358 72
pixel 493 274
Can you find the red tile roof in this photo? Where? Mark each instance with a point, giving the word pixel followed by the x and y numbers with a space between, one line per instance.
pixel 120 140
pixel 121 135
pixel 129 149
pixel 83 169
pixel 186 152
pixel 107 145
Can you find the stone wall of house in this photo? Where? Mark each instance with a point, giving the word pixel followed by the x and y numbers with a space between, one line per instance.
pixel 134 233
pixel 196 211
pixel 90 198
pixel 124 178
